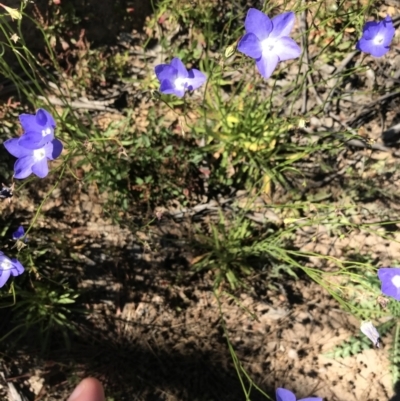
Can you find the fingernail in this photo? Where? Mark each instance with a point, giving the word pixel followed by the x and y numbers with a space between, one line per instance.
pixel 77 392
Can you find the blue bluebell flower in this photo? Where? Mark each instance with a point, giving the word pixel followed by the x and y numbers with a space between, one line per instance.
pixel 19 233
pixel 376 37
pixel 390 279
pixel 33 160
pixel 9 267
pixel 267 41
pixel 175 79
pixel 38 129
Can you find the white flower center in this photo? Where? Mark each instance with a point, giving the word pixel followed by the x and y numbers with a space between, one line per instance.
pixel 39 154
pixel 378 39
pixel 180 83
pixel 396 281
pixel 47 131
pixel 6 264
pixel 268 44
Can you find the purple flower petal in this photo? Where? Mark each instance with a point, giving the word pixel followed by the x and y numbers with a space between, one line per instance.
pixel 6 266
pixel 388 31
pixel 258 23
pixel 179 66
pixel 390 279
pixel 267 64
pixel 165 71
pixel 175 79
pixel 33 160
pixel 19 233
pixel 15 149
pixel 40 168
pixel 286 49
pixel 250 46
pixel 4 276
pixel 29 123
pixel 17 269
pixel 284 395
pixel 35 140
pixel 9 267
pixel 282 24
pixel 196 79
pixel 311 399
pixel 53 149
pixel 39 129
pixel 45 119
pixel 23 167
pixel 370 30
pixel 169 89
pixel 368 46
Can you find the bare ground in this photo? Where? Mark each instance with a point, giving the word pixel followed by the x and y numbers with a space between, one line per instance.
pixel 154 330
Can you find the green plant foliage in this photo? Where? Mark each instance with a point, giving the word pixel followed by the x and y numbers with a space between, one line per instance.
pixel 352 346
pixel 356 344
pixel 46 310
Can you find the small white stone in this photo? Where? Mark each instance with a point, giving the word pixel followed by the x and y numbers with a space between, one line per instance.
pixel 292 354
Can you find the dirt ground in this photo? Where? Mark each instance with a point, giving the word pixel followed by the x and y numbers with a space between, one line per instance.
pixel 151 336
pixel 155 331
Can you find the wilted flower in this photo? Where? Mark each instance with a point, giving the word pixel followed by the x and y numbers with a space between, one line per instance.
pixel 33 160
pixel 39 129
pixel 19 233
pixel 285 395
pixel 7 192
pixel 267 41
pixel 390 279
pixel 371 332
pixel 13 12
pixel 376 37
pixel 9 267
pixel 175 79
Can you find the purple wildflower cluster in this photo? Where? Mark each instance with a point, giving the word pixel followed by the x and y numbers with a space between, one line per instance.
pixel 267 41
pixel 33 149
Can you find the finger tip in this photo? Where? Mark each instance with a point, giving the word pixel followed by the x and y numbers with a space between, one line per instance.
pixel 89 389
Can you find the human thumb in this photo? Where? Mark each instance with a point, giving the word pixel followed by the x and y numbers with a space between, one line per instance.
pixel 88 390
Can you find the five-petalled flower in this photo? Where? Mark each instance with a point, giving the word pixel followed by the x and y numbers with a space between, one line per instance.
pixel 376 37
pixel 390 279
pixel 175 79
pixel 32 160
pixel 267 41
pixel 9 267
pixel 285 395
pixel 39 129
